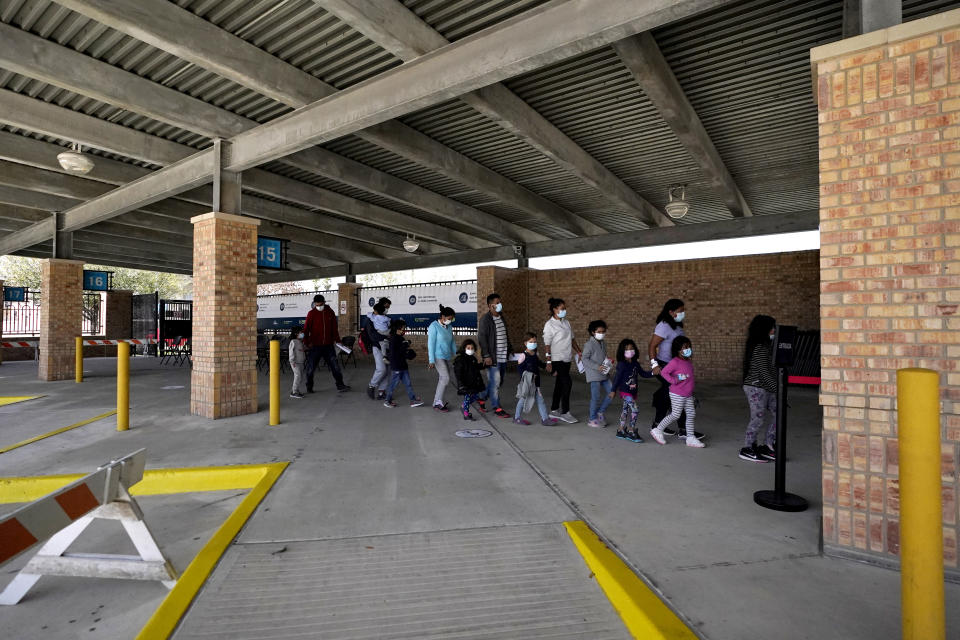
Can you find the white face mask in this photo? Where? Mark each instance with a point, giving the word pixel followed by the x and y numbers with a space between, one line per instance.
pixel 562 313
pixel 532 346
pixel 680 316
pixel 629 353
pixel 499 307
pixel 771 336
pixel 446 322
pixel 319 307
pixel 469 352
pixel 599 336
pixel 300 336
pixel 686 353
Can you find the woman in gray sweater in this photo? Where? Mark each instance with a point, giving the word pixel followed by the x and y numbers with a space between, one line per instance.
pixel 597 369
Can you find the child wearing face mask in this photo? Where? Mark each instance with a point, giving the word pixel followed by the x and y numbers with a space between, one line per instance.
pixel 298 356
pixel 528 391
pixel 597 370
pixel 679 373
pixel 629 372
pixel 470 384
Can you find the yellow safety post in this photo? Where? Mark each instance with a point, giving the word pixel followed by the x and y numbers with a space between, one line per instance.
pixel 921 528
pixel 274 383
pixel 78 360
pixel 123 386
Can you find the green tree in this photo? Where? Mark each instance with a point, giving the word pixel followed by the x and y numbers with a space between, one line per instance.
pixel 25 272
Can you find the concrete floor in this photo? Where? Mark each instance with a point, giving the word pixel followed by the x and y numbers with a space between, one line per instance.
pixel 683 518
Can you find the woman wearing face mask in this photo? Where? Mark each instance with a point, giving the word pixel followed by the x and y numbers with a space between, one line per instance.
pixel 559 345
pixel 441 349
pixel 669 327
pixel 297 356
pixel 597 369
pixel 760 387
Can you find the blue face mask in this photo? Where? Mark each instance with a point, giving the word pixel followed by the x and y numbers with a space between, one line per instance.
pixel 562 313
pixel 300 336
pixel 499 307
pixel 532 346
pixel 686 353
pixel 680 316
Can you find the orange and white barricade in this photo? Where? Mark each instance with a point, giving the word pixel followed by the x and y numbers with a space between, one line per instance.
pixel 62 516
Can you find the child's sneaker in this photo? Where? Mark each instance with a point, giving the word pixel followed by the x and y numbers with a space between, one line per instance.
pixel 500 413
pixel 766 453
pixel 750 454
pixel 520 421
pixel 693 442
pixel 482 405
pixel 468 416
pixel 596 424
pixel 633 436
pixel 442 408
pixel 549 422
pixel 296 395
pixel 657 435
pixel 371 392
pixel 623 435
pixel 417 402
pixel 390 404
pixel 381 395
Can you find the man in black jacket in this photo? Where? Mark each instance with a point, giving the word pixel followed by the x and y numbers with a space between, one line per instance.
pixel 495 350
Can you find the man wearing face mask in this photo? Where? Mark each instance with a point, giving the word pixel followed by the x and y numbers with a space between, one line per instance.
pixel 321 333
pixel 494 349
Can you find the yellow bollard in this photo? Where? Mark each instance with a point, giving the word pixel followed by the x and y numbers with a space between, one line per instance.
pixel 921 528
pixel 274 383
pixel 123 386
pixel 78 359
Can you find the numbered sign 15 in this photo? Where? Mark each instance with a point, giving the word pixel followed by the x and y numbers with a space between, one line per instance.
pixel 96 280
pixel 270 253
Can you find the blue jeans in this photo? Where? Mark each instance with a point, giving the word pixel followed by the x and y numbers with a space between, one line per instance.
pixel 494 380
pixel 541 407
pixel 599 397
pixel 398 377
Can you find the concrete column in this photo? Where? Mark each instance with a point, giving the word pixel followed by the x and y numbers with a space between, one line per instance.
pixel 1 324
pixel 347 316
pixel 866 16
pixel 224 377
pixel 61 317
pixel 889 258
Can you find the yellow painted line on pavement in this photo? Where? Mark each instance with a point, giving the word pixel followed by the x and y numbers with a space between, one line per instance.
pixel 5 400
pixel 58 431
pixel 259 478
pixel 642 611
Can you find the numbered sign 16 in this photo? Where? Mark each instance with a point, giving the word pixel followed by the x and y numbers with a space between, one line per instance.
pixel 270 253
pixel 96 280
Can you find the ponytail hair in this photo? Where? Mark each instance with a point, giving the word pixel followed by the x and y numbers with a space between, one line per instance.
pixel 447 311
pixel 554 303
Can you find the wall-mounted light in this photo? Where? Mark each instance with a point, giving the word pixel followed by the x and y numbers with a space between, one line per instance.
pixel 74 161
pixel 677 205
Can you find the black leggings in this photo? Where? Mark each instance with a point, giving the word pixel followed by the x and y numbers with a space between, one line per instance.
pixel 661 403
pixel 561 389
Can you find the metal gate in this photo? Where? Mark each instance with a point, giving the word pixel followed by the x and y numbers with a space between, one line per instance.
pixel 143 313
pixel 93 314
pixel 175 326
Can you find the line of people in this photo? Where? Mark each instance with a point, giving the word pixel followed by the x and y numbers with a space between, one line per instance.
pixel 669 349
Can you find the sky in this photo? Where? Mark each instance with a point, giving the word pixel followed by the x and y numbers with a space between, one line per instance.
pixel 780 243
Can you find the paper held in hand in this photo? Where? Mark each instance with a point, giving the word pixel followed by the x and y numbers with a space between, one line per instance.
pixel 343 348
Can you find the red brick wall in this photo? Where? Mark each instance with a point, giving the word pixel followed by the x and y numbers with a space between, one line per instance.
pixel 721 296
pixel 889 105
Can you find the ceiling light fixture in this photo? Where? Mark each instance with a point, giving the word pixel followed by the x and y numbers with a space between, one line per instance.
pixel 74 161
pixel 677 206
pixel 410 245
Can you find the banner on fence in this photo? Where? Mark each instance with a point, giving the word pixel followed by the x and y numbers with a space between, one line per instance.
pixel 283 312
pixel 420 305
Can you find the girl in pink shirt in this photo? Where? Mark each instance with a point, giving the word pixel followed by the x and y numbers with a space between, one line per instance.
pixel 679 373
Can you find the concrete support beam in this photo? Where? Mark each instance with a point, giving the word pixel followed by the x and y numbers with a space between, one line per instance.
pixel 721 230
pixel 62 240
pixel 864 16
pixel 397 29
pixel 191 38
pixel 652 72
pixel 226 190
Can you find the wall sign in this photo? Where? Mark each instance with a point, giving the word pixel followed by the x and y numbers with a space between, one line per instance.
pixel 14 294
pixel 97 280
pixel 271 253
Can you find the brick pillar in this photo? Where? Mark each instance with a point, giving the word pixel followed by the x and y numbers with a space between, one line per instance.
pixel 890 276
pixel 119 318
pixel 1 325
pixel 224 377
pixel 61 317
pixel 347 315
pixel 513 287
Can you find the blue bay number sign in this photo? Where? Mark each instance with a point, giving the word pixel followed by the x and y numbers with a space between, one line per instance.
pixel 14 294
pixel 97 280
pixel 271 253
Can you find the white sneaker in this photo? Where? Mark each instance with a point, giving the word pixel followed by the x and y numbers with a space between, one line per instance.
pixel 566 417
pixel 657 435
pixel 595 424
pixel 693 442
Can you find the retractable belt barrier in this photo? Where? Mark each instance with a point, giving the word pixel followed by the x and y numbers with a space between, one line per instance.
pixel 62 516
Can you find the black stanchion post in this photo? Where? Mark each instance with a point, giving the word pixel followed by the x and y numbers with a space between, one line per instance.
pixel 779 499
